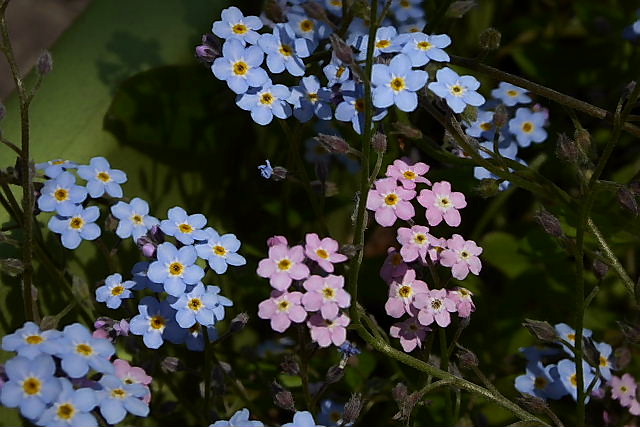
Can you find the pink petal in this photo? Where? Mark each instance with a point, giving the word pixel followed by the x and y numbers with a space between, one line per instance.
pixel 278 252
pixel 385 216
pixel 280 280
pixel 452 217
pixel 299 271
pixel 408 253
pixel 339 336
pixel 448 258
pixel 425 317
pixel 460 270
pixel 312 301
pixel 321 336
pixel 280 322
pixel 443 318
pixel 329 310
pixel 394 307
pixel 474 265
pixel 405 210
pixel 297 314
pixel 434 216
pixel 266 267
pixel 313 283
pixel 458 200
pixel 266 309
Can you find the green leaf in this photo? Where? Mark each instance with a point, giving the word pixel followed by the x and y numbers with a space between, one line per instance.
pixel 502 251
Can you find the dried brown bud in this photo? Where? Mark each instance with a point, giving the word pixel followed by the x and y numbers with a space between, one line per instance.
pixel 549 223
pixel 399 392
pixel 49 322
pixel 532 403
pixel 352 409
pixel 239 322
pixel 171 364
pixel 583 139
pixel 315 10
pixel 467 358
pixel 279 173
pixel 341 50
pixel 628 200
pixel 282 397
pixel 490 39
pixel 458 9
pixel 379 143
pixel 407 130
pixel 3 111
pixel 501 116
pixel 630 332
pixel 333 144
pixel 274 12
pixel 45 63
pixel 290 366
pixel 567 149
pixel 600 268
pixel 541 330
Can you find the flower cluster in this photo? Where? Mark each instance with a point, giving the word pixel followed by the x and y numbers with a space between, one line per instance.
pixel 391 199
pixel 241 418
pixel 518 129
pixel 53 379
pixel 551 371
pixel 307 268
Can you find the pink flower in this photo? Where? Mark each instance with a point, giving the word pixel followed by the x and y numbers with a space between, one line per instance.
pixel 325 294
pixel 441 202
pixel 327 331
pixel 408 175
pixel 411 334
pixel 402 294
pixel 282 309
pixel 462 256
pixel 283 266
pixel 415 241
pixel 324 252
pixel 634 407
pixel 434 305
pixel 394 267
pixel 623 389
pixel 133 375
pixel 277 240
pixel 464 304
pixel 390 201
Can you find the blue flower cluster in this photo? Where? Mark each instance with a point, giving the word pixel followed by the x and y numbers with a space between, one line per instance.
pixel 54 397
pixel 241 419
pixel 525 126
pixel 551 372
pixel 339 92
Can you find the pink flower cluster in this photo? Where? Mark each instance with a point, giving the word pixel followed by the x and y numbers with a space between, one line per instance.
pixel 290 271
pixel 624 390
pixel 391 199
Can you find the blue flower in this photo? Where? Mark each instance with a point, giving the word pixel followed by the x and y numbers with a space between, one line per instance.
pixel 61 195
pixel 194 338
pixel 456 90
pixel 156 322
pixel 331 413
pixel 240 67
pixel 336 71
pixel 53 168
pixel 483 127
pixel 139 272
pixel 567 373
pixel 266 102
pixel 117 398
pixel 71 407
pixel 605 366
pixel 79 351
pixel 134 218
pixel 80 225
pixel 266 170
pixel 421 48
pixel 386 41
pixel 201 305
pixel 31 385
pixel 284 50
pixel 510 95
pixel 101 178
pixel 114 291
pixel 351 109
pixel 175 268
pixel 407 9
pixel 541 381
pixel 334 6
pixel 309 99
pixel 235 25
pixel 310 29
pixel 536 353
pixel 28 340
pixel 349 349
pixel 239 419
pixel 568 334
pixel 220 251
pixel 397 83
pixel 417 26
pixel 302 419
pixel 527 126
pixel 186 228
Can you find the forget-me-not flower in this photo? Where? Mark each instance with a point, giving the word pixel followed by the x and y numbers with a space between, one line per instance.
pixel 240 66
pixel 53 168
pixel 483 127
pixel 510 95
pixel 79 351
pixel 351 109
pixel 336 71
pixel 528 126
pixel 407 9
pixel 184 227
pixel 134 218
pixel 310 98
pixel 101 178
pixel 541 381
pixel 458 91
pixel 421 48
pixel 266 170
pixel 28 340
pixel 220 251
pixel 175 268
pixel 202 305
pixel 114 290
pixel 118 397
pixel 240 418
pixel 284 50
pixel 306 27
pixel 71 408
pixel 266 102
pixel 156 322
pixel 397 84
pixel 567 373
pixel 235 25
pixel 61 194
pixel 80 225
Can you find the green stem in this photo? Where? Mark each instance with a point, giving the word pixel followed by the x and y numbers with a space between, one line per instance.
pixel 444 365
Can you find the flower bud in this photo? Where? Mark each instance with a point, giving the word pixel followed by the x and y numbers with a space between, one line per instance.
pixel 549 223
pixel 567 150
pixel 341 50
pixel 600 268
pixel 239 322
pixel 467 358
pixel 282 397
pixel 277 240
pixel 470 114
pixel 279 173
pixel 501 116
pixel 334 374
pixel 3 111
pixel 630 332
pixel 490 39
pixel 289 366
pixel 11 266
pixel 541 330
pixel 407 131
pixel 49 322
pixel 583 139
pixel 628 200
pixel 352 409
pixel 45 63
pixel 488 187
pixel 315 10
pixel 379 143
pixel 333 144
pixel 458 9
pixel 171 364
pixel 273 11
pixel 532 403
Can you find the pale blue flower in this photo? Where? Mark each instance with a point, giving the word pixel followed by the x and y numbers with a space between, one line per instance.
pixel 458 91
pixel 310 99
pixel 71 408
pixel 61 194
pixel 528 126
pixel 184 227
pixel 28 341
pixel 421 48
pixel 80 351
pixel 155 323
pixel 134 218
pixel 79 226
pixel 239 419
pixel 351 109
pixel 234 25
pixel 407 9
pixel 240 67
pixel 416 26
pixel 510 95
pixel 114 291
pixel 397 84
pixel 284 50
pixel 53 168
pixel 541 381
pixel 194 337
pixel 101 178
pixel 386 41
pixel 220 251
pixel 266 170
pixel 334 6
pixel 568 334
pixel 202 305
pixel 331 413
pixel 306 27
pixel 266 102
pixel 483 127
pixel 567 373
pixel 139 272
pixel 604 360
pixel 175 268
pixel 118 398
pixel 336 71
pixel 302 419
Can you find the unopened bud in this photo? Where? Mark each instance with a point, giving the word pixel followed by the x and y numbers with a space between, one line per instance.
pixel 630 332
pixel 490 39
pixel 279 173
pixel 541 330
pixel 282 397
pixel 458 9
pixel 467 358
pixel 501 116
pixel 341 50
pixel 469 114
pixel 566 149
pixel 488 187
pixel 49 322
pixel 239 322
pixel 549 223
pixel 407 131
pixel 277 240
pixel 334 374
pixel 628 200
pixel 399 392
pixel 532 403
pixel 290 366
pixel 315 10
pixel 583 139
pixel 333 144
pixel 273 11
pixel 352 409
pixel 379 143
pixel 600 268
pixel 170 364
pixel 45 63
pixel 11 266
pixel 111 223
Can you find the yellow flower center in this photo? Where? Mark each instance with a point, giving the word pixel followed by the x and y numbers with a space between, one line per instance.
pixel 240 68
pixel 176 268
pixel 405 3
pixel 414 30
pixel 286 50
pixel 76 222
pixel 486 126
pixel 512 93
pixel 34 339
pixel 405 291
pixel 425 45
pixel 398 84
pixel 32 385
pixel 58 162
pixel 119 393
pixel 444 202
pixel 104 176
pixel 267 99
pixel 574 380
pixel 195 304
pixel 285 264
pixel 604 361
pixel 117 290
pixel 307 25
pixel 571 337
pixel 420 239
pixel 66 411
pixel 240 29
pixel 540 382
pixel 410 175
pixel 528 127
pixel 61 194
pixel 186 228
pixel 284 305
pixel 391 199
pixel 84 349
pixel 457 90
pixel 329 293
pixel 336 3
pixel 313 97
pixel 383 43
pixel 129 380
pixel 137 219
pixel 219 250
pixel 464 292
pixel 340 71
pixel 322 253
pixel 464 254
pixel 623 388
pixel 158 322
